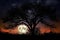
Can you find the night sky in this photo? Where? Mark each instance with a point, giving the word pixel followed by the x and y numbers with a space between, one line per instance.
pixel 42 27
pixel 8 4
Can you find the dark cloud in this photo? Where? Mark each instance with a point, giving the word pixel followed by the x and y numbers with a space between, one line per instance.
pixel 6 5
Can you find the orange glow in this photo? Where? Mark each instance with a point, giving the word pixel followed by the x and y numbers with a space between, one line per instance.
pixel 42 28
pixel 47 29
pixel 11 31
pixel 57 29
pixel 2 29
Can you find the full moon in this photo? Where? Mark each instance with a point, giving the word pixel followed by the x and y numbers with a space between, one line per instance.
pixel 22 29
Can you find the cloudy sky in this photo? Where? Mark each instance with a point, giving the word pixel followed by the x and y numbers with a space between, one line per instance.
pixel 7 4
